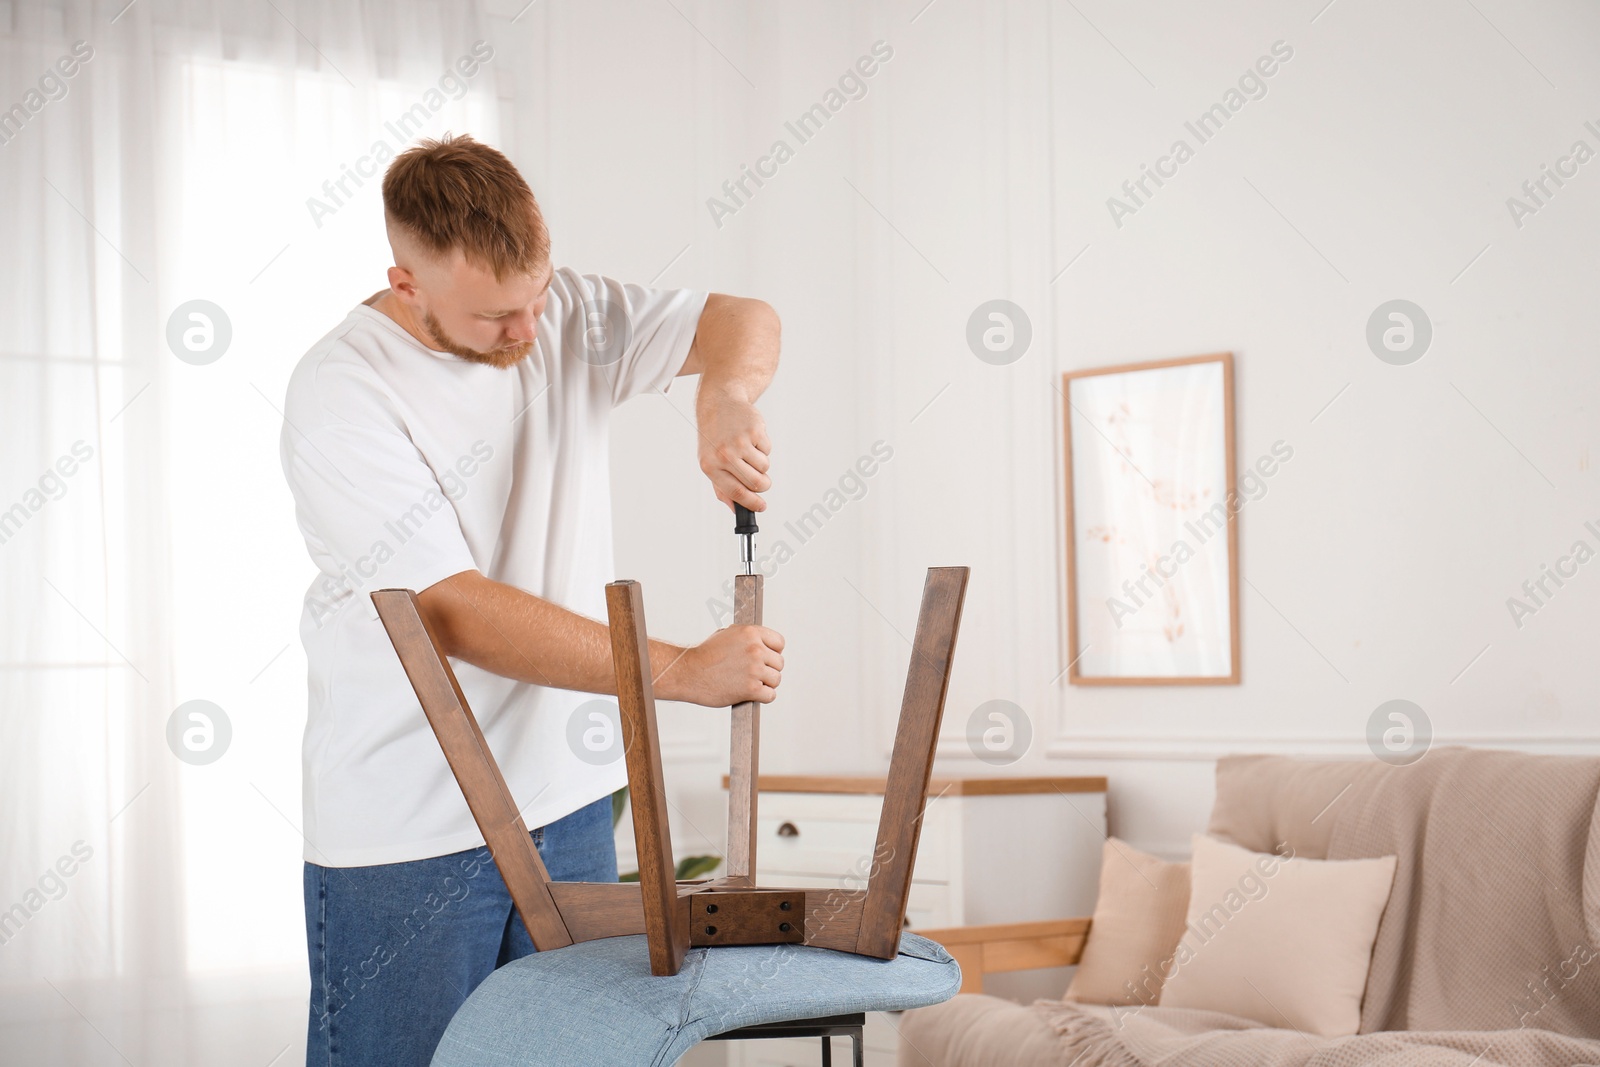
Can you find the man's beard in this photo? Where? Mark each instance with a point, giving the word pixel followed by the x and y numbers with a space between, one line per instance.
pixel 502 358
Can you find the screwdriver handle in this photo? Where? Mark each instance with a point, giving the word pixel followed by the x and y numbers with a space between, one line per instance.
pixel 744 520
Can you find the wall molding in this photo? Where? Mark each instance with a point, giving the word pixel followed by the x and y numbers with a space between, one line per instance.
pixel 1209 749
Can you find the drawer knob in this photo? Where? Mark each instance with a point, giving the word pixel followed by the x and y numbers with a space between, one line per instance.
pixel 788 829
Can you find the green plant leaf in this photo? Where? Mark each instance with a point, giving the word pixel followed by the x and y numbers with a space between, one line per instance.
pixel 691 867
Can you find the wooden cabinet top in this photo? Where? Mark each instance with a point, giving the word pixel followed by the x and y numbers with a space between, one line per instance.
pixel 969 787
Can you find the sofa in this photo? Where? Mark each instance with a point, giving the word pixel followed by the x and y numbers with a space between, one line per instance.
pixel 1481 943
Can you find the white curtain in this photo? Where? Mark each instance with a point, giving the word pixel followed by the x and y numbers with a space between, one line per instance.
pixel 230 153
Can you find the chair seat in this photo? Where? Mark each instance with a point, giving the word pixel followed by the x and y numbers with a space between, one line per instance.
pixel 596 1004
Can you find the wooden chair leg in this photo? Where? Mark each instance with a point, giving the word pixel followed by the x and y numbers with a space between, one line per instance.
pixel 744 752
pixel 666 929
pixel 473 766
pixel 905 794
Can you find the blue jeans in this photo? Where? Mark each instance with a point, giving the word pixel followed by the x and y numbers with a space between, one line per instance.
pixel 395 948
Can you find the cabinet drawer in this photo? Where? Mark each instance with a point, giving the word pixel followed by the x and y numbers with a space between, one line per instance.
pixel 833 836
pixel 931 905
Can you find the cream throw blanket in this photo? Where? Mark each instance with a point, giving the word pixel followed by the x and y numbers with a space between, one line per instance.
pixel 1488 952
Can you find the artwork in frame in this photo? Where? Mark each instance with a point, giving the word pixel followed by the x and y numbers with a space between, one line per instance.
pixel 1152 524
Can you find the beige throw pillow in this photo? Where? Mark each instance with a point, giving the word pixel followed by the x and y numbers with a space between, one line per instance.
pixel 1138 919
pixel 1284 941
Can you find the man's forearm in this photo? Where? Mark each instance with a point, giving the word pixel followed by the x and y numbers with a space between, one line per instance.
pixel 511 632
pixel 735 352
pixel 735 348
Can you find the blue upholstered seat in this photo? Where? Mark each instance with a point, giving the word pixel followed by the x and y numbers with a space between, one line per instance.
pixel 596 1004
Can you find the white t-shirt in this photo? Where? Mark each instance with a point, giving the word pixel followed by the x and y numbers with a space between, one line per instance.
pixel 408 465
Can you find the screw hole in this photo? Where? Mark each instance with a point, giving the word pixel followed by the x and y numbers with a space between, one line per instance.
pixel 784 927
pixel 711 909
pixel 785 906
pixel 711 930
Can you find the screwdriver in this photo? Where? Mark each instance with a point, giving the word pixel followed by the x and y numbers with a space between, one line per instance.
pixel 745 736
pixel 744 524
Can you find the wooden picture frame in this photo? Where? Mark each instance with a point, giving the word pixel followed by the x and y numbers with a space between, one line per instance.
pixel 1122 417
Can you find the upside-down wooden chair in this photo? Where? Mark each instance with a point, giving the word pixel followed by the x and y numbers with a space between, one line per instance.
pixel 720 958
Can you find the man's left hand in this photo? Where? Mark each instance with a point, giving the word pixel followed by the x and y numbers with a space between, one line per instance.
pixel 734 448
pixel 735 352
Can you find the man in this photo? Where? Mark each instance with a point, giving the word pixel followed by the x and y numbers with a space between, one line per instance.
pixel 450 436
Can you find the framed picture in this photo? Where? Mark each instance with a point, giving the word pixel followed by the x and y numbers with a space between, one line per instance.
pixel 1152 524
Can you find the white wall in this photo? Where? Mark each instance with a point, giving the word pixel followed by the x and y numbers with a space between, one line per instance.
pixel 1376 166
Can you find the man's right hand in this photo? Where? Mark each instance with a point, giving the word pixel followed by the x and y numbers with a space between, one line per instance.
pixel 733 665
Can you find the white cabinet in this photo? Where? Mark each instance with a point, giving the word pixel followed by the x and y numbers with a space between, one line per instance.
pixel 992 850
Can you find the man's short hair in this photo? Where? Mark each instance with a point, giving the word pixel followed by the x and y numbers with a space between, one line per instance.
pixel 456 192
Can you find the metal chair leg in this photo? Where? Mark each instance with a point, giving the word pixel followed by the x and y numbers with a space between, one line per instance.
pixel 826 1027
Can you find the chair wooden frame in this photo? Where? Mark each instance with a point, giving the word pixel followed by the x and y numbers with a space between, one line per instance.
pixel 731 910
